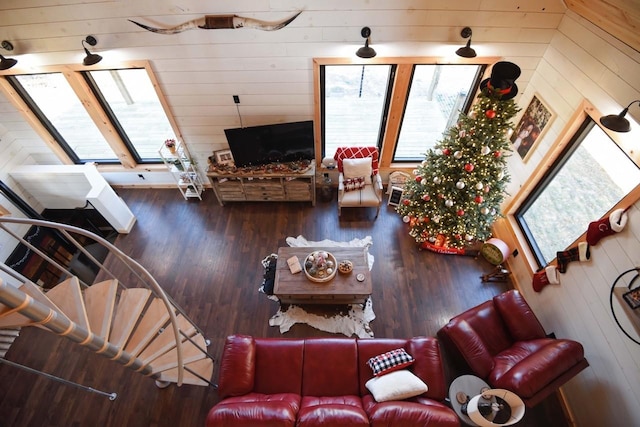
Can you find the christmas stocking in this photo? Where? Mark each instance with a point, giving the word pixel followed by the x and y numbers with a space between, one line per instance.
pixel 548 276
pixel 614 223
pixel 577 253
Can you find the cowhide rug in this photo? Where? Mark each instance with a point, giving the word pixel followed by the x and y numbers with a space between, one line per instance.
pixel 348 320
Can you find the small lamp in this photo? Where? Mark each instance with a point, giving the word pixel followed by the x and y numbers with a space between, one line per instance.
pixel 466 51
pixel 366 51
pixel 6 63
pixel 617 122
pixel 91 58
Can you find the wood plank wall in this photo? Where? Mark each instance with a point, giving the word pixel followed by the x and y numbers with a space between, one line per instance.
pixel 570 72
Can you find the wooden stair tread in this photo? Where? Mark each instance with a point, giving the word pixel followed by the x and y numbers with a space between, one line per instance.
pixel 35 292
pixel 68 297
pixel 203 367
pixel 14 319
pixel 190 353
pixel 165 341
pixel 100 300
pixel 154 318
pixel 130 306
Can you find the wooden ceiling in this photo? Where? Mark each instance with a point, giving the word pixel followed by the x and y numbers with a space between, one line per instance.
pixel 620 18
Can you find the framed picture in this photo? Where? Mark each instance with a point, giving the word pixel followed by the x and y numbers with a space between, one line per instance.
pixel 395 196
pixel 632 298
pixel 223 157
pixel 533 124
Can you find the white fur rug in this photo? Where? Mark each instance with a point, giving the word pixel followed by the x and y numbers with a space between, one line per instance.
pixel 348 320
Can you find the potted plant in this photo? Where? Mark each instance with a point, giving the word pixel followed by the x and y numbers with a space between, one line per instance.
pixel 171 145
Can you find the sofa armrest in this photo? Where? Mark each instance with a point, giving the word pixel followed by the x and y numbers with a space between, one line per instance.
pixel 428 365
pixel 521 321
pixel 340 185
pixel 237 366
pixel 377 185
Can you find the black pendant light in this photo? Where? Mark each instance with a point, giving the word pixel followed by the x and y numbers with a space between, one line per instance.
pixel 91 58
pixel 617 122
pixel 366 51
pixel 466 51
pixel 6 63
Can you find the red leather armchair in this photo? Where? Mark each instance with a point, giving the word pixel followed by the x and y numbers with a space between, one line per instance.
pixel 503 342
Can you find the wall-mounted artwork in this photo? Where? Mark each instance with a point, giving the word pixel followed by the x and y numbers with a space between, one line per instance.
pixel 533 124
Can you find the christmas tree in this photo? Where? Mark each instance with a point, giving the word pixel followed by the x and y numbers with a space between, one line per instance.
pixel 457 191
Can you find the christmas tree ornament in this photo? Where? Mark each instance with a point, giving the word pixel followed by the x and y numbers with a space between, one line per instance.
pixel 485 150
pixel 418 178
pixel 487 189
pixel 607 226
pixel 497 154
pixel 577 253
pixel 459 185
pixel 544 277
pixel 469 167
pixel 484 211
pixel 500 175
pixel 490 114
pixel 406 202
pixel 460 212
pixel 437 180
pixel 448 203
pixel 406 218
pixel 457 154
pixel 468 237
pixel 438 152
pixel 479 185
pixel 446 151
pixel 478 199
pixel 426 197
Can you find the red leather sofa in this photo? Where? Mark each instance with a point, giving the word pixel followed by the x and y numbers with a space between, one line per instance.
pixel 503 342
pixel 321 382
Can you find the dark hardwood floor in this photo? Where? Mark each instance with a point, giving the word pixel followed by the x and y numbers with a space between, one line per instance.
pixel 208 258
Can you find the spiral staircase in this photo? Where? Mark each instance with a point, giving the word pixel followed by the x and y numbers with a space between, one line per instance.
pixel 135 324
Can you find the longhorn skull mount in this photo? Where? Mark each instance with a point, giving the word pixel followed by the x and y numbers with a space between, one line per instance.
pixel 217 22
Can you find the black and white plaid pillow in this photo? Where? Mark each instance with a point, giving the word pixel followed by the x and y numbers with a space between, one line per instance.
pixel 390 361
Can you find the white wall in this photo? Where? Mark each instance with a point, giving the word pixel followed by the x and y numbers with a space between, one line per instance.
pixel 584 63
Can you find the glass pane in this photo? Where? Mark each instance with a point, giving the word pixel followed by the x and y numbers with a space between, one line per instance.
pixel 354 102
pixel 133 99
pixel 60 105
pixel 596 177
pixel 438 93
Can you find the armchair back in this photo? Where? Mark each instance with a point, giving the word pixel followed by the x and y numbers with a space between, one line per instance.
pixel 357 153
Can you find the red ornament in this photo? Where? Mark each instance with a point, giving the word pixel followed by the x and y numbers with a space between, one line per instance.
pixel 418 178
pixel 406 202
pixel 446 151
pixel 478 199
pixel 469 167
pixel 490 114
pixel 426 198
pixel 497 154
pixel 460 212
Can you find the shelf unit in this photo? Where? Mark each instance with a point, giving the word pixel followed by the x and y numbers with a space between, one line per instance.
pixel 265 187
pixel 179 162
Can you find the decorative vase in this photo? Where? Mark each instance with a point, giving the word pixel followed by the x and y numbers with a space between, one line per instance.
pixel 172 149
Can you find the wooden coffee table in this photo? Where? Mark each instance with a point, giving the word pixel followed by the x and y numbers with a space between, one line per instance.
pixel 342 289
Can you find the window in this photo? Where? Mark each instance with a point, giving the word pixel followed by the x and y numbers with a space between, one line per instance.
pixel 104 116
pixel 438 93
pixel 355 100
pixel 590 177
pixel 402 108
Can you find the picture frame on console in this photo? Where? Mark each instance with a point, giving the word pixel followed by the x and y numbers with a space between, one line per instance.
pixel 223 157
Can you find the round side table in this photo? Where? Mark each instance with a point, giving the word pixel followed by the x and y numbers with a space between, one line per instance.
pixel 469 386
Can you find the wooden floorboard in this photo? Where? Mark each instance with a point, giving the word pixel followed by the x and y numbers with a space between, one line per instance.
pixel 207 257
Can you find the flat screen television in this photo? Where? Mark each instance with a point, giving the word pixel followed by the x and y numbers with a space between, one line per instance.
pixel 282 142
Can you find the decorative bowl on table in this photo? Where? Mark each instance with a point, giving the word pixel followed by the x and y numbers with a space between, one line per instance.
pixel 320 266
pixel 345 266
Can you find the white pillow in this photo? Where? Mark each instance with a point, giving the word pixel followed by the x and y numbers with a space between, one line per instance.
pixel 396 385
pixel 354 168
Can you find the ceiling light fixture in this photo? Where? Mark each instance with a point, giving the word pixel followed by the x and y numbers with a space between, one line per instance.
pixel 617 122
pixel 6 63
pixel 91 58
pixel 466 51
pixel 366 51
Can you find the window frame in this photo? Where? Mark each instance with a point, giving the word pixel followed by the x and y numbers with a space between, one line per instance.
pixel 75 75
pixel 556 151
pixel 399 95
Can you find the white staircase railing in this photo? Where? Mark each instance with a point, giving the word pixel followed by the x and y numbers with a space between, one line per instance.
pixel 135 324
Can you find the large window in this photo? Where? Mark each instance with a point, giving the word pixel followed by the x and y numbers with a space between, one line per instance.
pixel 590 177
pixel 403 108
pixel 104 116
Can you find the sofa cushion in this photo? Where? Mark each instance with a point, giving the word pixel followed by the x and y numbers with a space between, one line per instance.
pixel 415 412
pixel 330 367
pixel 390 361
pixel 255 409
pixel 278 365
pixel 353 184
pixel 332 411
pixel 529 366
pixel 396 385
pixel 354 168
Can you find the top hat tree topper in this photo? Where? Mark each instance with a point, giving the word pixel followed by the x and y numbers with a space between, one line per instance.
pixel 502 81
